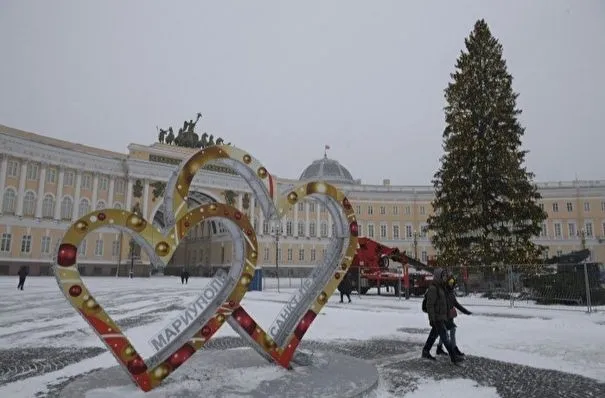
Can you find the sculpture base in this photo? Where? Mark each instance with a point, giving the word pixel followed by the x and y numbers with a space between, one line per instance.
pixel 240 372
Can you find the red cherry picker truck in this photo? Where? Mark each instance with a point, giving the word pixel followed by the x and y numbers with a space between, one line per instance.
pixel 370 269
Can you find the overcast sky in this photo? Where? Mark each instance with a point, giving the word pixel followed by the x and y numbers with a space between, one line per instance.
pixel 283 78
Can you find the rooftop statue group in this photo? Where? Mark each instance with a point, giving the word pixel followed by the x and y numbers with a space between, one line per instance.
pixel 186 136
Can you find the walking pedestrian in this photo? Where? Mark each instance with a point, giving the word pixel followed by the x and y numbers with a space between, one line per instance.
pixel 450 326
pixel 23 272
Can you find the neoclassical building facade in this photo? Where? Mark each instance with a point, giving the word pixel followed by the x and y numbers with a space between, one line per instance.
pixel 47 184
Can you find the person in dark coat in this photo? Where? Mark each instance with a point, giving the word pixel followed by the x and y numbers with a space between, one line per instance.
pixel 453 304
pixel 184 277
pixel 22 275
pixel 345 288
pixel 436 308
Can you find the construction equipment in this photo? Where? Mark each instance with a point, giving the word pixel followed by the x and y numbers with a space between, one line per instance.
pixel 371 269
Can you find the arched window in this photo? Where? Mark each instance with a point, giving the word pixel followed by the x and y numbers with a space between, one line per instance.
pixel 48 207
pixel 9 201
pixel 29 204
pixel 67 208
pixel 100 205
pixel 117 205
pixel 83 208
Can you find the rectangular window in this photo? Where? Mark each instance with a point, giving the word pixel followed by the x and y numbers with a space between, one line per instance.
pixel 423 256
pixel 586 206
pixel 26 244
pixel 301 228
pixel 395 232
pixel 82 248
pixel 313 255
pixel 301 206
pixel 370 230
pixel 311 207
pixel 5 243
pixel 555 207
pixel 51 176
pixel 544 230
pixel 422 210
pixel 557 230
pixel 68 179
pixel 324 230
pixel 12 169
pixel 383 231
pixel 120 186
pixel 407 210
pixel 358 209
pixel 312 229
pixel 99 247
pixel 289 254
pixel 45 246
pixel 383 210
pixel 408 231
pixel 370 210
pixel 589 231
pixel 266 254
pixel 569 207
pixel 301 255
pixel 571 230
pixel 395 210
pixel 115 248
pixel 32 171
pixel 86 181
pixel 103 183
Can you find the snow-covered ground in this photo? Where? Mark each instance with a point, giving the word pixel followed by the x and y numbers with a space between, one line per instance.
pixel 558 339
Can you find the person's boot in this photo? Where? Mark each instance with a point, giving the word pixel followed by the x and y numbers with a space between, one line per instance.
pixel 458 352
pixel 441 351
pixel 427 355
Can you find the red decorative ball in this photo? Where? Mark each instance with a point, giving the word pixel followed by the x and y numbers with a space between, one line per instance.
pixel 67 255
pixel 231 303
pixel 354 228
pixel 101 216
pixel 238 215
pixel 187 224
pixel 304 324
pixel 179 357
pixel 75 290
pixel 249 232
pixel 337 275
pixel 226 213
pixel 346 204
pixel 136 366
pixel 245 321
pixel 206 331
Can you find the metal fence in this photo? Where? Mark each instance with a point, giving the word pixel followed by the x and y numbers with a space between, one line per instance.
pixel 568 286
pixel 574 287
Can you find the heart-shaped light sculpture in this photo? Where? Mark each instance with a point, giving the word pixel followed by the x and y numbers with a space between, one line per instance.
pixel 176 343
pixel 279 342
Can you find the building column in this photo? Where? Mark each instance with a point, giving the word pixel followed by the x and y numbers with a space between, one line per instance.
pixel 77 194
pixel 307 219
pixel 330 222
pixel 318 226
pixel 129 194
pixel 21 194
pixel 3 170
pixel 145 198
pixel 252 209
pixel 240 202
pixel 95 191
pixel 295 232
pixel 59 197
pixel 261 222
pixel 40 195
pixel 112 182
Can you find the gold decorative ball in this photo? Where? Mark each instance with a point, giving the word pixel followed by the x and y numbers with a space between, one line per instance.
pixel 253 255
pixel 245 279
pixel 81 226
pixel 344 265
pixel 269 342
pixel 212 207
pixel 247 159
pixel 262 172
pixel 162 249
pixel 292 198
pixel 91 304
pixel 136 223
pixel 317 187
pixel 129 351
pixel 220 318
pixel 160 372
pixel 322 298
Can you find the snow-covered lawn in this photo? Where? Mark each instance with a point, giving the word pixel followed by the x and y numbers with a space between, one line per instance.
pixel 39 316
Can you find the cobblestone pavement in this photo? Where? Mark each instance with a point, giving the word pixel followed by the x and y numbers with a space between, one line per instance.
pixel 398 363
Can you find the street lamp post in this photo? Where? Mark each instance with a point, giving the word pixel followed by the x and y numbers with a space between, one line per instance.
pixel 416 245
pixel 277 231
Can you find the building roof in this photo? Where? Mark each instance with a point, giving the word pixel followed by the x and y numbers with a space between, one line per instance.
pixel 26 135
pixel 328 170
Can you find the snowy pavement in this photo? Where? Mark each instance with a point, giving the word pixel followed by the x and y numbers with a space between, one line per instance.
pixel 529 352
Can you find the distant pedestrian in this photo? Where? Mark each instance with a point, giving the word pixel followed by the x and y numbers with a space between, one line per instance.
pixel 184 277
pixel 345 288
pixel 22 275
